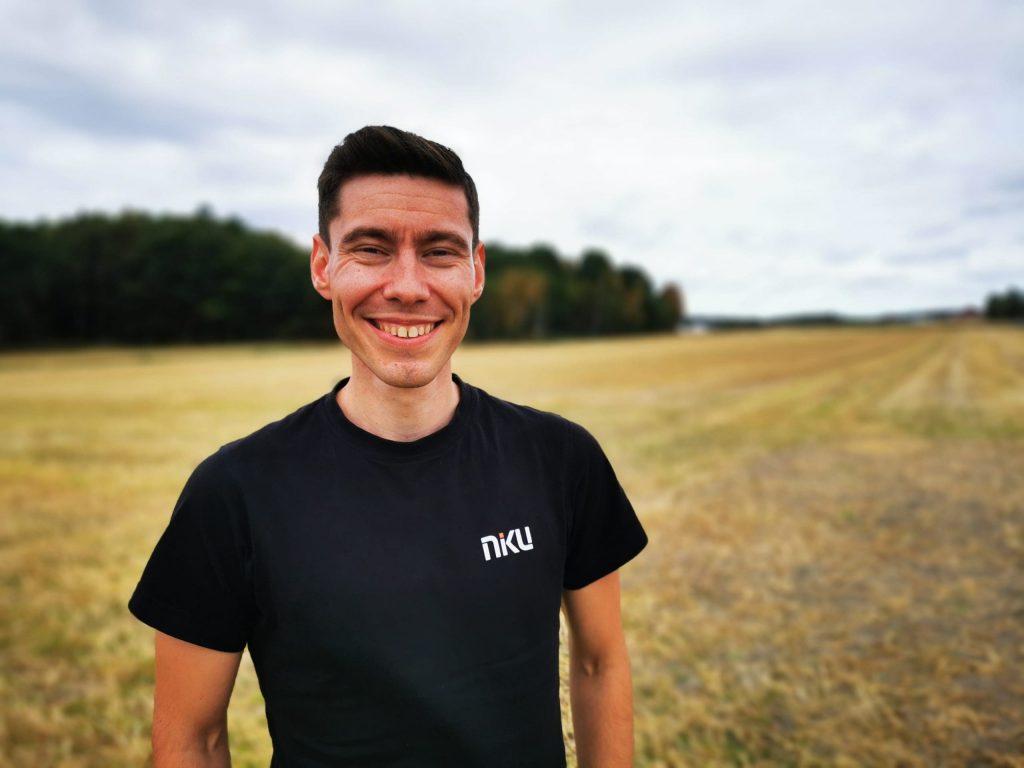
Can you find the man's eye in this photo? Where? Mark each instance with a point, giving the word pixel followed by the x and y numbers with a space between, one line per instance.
pixel 440 252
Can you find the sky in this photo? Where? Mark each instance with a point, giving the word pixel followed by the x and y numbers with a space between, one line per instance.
pixel 768 157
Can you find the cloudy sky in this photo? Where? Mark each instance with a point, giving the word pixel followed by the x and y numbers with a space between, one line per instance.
pixel 770 157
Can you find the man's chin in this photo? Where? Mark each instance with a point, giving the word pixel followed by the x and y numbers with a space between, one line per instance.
pixel 409 376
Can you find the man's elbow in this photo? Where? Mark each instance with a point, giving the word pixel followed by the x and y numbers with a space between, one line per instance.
pixel 609 662
pixel 179 745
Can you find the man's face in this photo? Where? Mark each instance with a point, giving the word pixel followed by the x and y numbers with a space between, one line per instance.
pixel 401 274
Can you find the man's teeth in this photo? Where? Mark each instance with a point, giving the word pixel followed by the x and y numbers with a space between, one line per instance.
pixel 406 331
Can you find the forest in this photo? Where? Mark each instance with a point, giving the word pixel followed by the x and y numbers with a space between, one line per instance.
pixel 140 278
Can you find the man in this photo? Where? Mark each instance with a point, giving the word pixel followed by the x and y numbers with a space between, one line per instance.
pixel 395 553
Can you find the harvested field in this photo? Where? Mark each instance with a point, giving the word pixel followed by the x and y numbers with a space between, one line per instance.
pixel 836 568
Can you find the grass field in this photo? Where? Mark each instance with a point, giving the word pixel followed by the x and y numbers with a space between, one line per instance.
pixel 836 568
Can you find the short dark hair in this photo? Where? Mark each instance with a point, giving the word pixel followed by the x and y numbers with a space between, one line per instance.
pixel 391 151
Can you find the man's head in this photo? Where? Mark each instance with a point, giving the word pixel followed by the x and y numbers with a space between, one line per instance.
pixel 398 254
pixel 383 150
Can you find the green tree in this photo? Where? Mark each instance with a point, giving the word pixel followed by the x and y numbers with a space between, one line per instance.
pixel 1005 306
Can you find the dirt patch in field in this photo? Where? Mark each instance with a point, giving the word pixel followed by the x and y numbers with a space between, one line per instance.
pixel 836 606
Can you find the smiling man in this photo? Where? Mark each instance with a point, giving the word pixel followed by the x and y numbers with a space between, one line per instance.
pixel 395 554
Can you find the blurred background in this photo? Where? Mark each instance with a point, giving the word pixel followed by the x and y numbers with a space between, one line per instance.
pixel 770 253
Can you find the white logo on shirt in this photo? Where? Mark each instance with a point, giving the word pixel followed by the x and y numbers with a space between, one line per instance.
pixel 504 545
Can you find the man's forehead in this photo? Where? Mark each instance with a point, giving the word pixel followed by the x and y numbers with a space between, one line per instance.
pixel 401 192
pixel 400 206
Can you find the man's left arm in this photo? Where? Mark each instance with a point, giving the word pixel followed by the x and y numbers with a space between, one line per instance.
pixel 600 685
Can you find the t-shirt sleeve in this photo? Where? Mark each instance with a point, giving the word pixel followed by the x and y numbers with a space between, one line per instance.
pixel 197 584
pixel 604 532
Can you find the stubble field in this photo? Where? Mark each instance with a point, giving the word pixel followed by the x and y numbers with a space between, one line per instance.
pixel 836 568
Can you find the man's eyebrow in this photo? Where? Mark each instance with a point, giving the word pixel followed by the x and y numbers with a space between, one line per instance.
pixel 368 233
pixel 442 236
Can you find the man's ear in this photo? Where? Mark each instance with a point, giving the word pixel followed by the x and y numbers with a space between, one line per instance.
pixel 319 259
pixel 479 259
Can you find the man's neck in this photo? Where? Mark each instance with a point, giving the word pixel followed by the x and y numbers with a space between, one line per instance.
pixel 402 414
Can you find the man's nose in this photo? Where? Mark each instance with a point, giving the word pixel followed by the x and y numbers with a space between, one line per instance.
pixel 406 279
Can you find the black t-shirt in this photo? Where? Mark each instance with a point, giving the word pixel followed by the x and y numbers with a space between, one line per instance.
pixel 399 600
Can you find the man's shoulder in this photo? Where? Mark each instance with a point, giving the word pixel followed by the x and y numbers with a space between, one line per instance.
pixel 288 436
pixel 505 416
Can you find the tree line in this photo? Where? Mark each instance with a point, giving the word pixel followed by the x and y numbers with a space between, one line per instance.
pixel 1008 305
pixel 139 278
pixel 535 293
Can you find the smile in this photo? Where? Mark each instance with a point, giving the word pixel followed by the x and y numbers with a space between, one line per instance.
pixel 404 331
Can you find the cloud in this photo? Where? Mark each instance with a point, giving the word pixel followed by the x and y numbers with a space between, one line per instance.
pixel 771 157
pixel 934 256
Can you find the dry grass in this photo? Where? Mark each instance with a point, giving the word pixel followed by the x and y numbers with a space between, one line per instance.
pixel 836 568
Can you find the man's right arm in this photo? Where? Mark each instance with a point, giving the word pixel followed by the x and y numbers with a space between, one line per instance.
pixel 190 707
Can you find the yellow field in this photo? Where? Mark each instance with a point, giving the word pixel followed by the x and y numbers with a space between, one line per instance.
pixel 836 568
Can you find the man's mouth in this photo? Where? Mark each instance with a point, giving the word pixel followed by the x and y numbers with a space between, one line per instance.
pixel 405 331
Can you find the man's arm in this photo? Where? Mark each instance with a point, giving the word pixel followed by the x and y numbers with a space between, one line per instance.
pixel 600 686
pixel 190 707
